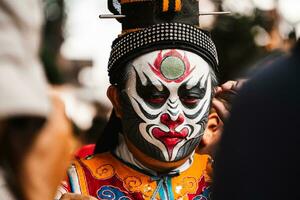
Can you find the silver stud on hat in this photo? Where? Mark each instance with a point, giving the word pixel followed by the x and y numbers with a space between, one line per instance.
pixel 179 33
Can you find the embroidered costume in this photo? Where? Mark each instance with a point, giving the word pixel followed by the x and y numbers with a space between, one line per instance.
pixel 105 176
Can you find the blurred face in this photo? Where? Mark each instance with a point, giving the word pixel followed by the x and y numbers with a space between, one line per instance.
pixel 166 103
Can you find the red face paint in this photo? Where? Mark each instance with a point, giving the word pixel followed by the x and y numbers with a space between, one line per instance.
pixel 172 138
pixel 179 66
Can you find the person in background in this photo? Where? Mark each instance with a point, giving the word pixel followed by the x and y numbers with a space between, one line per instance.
pixel 258 156
pixel 35 135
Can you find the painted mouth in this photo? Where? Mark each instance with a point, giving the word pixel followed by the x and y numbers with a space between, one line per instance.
pixel 170 139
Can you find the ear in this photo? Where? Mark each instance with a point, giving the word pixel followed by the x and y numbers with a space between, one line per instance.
pixel 114 97
pixel 213 129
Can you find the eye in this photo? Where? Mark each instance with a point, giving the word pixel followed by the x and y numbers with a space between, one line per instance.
pixel 156 99
pixel 190 97
pixel 189 100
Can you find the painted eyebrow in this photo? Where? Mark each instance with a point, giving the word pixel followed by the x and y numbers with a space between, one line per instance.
pixel 183 90
pixel 149 89
pixel 197 84
pixel 159 86
pixel 196 89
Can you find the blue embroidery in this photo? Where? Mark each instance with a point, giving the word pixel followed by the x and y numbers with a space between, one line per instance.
pixel 111 193
pixel 204 196
pixel 200 197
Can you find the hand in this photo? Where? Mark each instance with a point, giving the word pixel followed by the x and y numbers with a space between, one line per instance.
pixel 71 196
pixel 224 96
pixel 49 156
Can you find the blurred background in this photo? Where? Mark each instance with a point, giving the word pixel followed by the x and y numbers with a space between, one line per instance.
pixel 76 47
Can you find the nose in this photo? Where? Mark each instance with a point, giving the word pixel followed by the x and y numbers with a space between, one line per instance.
pixel 171 124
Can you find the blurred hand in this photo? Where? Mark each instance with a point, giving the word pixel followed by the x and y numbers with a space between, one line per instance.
pixel 71 196
pixel 46 163
pixel 224 96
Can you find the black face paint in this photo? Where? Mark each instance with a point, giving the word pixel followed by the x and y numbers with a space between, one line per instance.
pixel 148 115
pixel 190 97
pixel 187 148
pixel 162 117
pixel 130 122
pixel 193 116
pixel 149 93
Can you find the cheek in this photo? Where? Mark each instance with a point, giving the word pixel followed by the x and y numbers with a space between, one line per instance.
pixel 134 116
pixel 197 120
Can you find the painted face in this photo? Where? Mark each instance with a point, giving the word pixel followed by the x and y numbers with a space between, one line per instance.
pixel 166 103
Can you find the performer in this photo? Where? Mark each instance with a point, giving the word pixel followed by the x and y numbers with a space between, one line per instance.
pixel 162 73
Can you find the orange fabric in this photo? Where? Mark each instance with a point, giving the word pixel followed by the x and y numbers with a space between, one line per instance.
pixel 165 5
pixel 178 5
pixel 82 178
pixel 105 170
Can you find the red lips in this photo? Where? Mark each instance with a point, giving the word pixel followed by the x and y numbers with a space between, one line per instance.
pixel 172 138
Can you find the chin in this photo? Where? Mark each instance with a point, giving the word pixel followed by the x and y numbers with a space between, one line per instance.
pixel 153 163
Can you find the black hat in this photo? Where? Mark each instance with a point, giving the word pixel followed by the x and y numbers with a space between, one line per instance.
pixel 149 25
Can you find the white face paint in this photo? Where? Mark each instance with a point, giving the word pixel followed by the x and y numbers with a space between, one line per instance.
pixel 169 93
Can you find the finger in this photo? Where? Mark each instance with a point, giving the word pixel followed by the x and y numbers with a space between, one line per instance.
pixel 221 109
pixel 228 85
pixel 240 83
pixel 217 89
pixel 227 97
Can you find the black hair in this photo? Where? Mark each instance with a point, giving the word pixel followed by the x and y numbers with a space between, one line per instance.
pixel 108 139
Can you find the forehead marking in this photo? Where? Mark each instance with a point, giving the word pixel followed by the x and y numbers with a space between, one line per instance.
pixel 172 66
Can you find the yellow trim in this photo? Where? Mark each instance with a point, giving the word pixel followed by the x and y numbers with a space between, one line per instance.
pixel 165 5
pixel 187 182
pixel 133 181
pixel 81 178
pixel 103 166
pixel 178 5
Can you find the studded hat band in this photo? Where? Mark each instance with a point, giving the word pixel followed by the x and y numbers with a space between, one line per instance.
pixel 157 37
